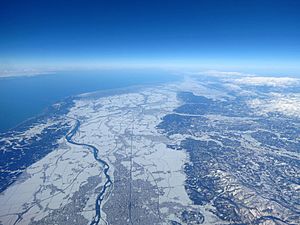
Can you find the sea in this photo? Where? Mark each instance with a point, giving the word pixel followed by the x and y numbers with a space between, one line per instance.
pixel 25 97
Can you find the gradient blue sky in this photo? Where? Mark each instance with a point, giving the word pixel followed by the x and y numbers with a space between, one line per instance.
pixel 258 34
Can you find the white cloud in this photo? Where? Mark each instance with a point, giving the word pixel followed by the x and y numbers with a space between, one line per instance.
pixel 217 73
pixel 267 81
pixel 286 104
pixel 240 78
pixel 23 72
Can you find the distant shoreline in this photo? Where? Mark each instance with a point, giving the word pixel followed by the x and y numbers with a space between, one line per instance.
pixel 27 97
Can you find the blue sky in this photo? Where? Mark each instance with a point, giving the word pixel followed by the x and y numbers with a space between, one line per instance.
pixel 254 34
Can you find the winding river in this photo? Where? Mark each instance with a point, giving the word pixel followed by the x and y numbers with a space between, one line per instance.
pixel 108 182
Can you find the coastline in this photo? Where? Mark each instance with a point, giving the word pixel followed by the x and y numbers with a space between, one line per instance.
pixel 24 98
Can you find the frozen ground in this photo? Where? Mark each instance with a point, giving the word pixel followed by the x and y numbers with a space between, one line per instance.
pixel 198 152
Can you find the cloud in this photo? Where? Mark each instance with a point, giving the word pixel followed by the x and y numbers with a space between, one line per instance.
pixel 267 81
pixel 23 72
pixel 223 73
pixel 287 104
pixel 240 78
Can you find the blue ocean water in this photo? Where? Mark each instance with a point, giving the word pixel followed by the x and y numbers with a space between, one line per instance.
pixel 24 97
